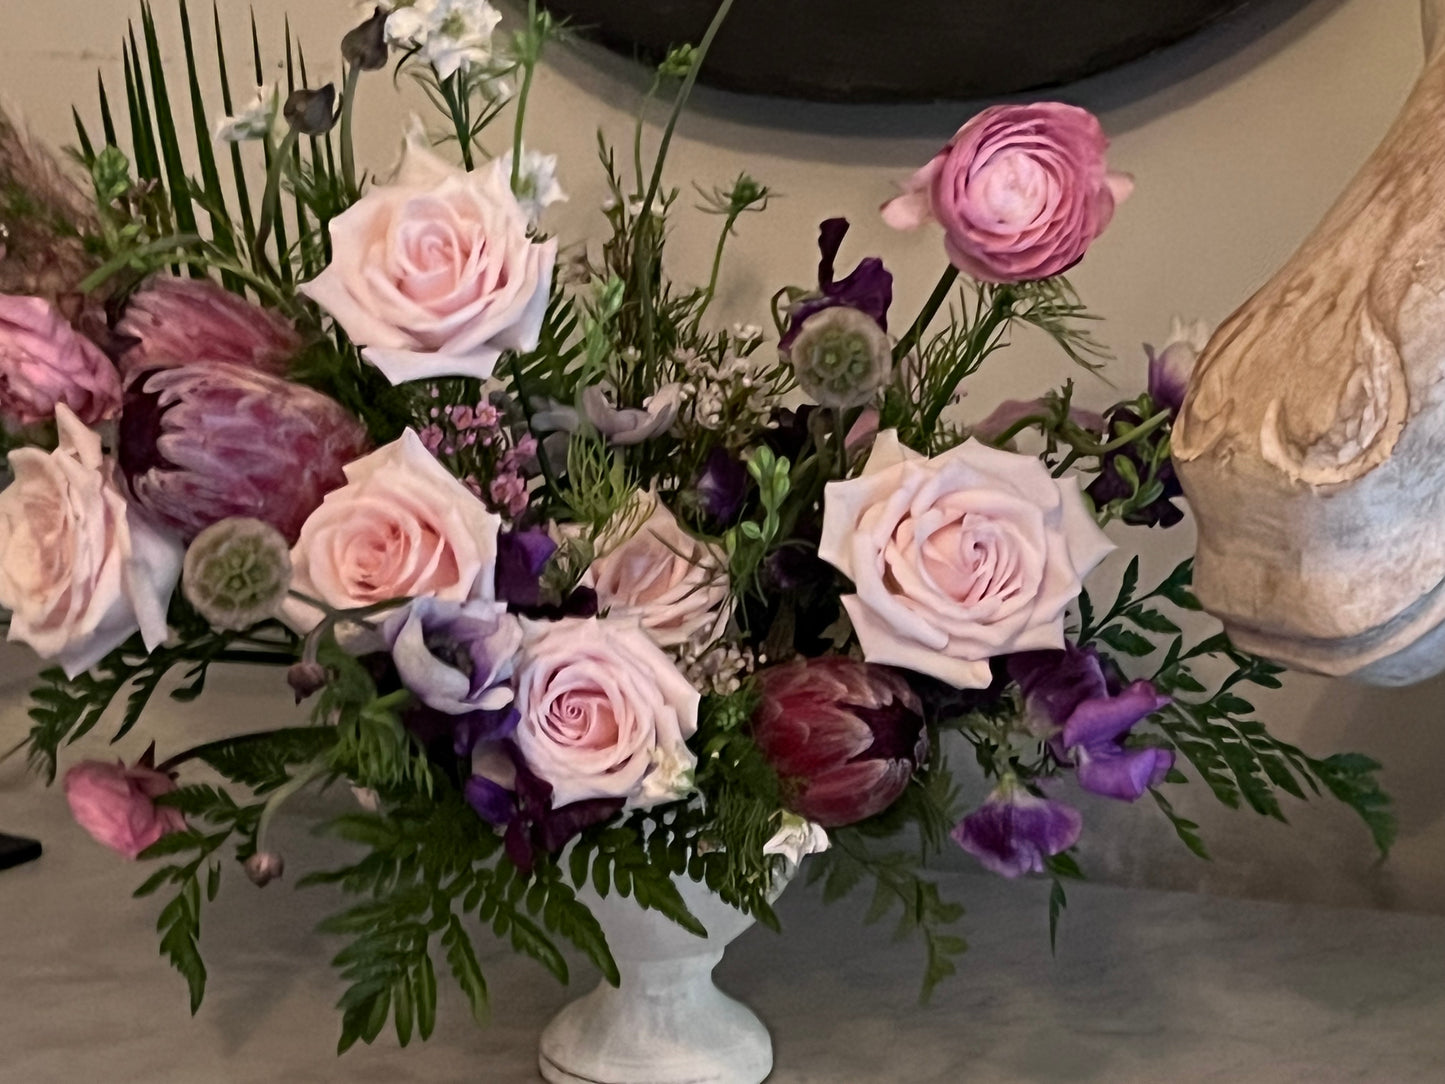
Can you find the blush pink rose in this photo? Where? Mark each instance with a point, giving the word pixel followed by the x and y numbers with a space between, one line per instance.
pixel 959 558
pixel 116 804
pixel 45 362
pixel 604 713
pixel 659 575
pixel 436 274
pixel 402 526
pixel 80 569
pixel 1021 191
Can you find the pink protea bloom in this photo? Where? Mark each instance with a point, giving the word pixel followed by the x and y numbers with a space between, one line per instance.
pixel 116 804
pixel 204 443
pixel 45 362
pixel 844 736
pixel 179 321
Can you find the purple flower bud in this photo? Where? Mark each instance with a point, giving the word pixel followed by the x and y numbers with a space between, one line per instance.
pixel 722 486
pixel 208 442
pixel 306 679
pixel 174 321
pixel 521 558
pixel 1171 366
pixel 311 112
pixel 1014 831
pixel 846 736
pixel 365 45
pixel 263 867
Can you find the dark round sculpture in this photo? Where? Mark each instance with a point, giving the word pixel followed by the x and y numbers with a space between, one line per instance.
pixel 898 50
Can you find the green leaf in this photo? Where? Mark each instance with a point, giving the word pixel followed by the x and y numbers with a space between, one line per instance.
pixel 166 136
pixel 238 171
pixel 1058 901
pixel 462 959
pixel 1130 643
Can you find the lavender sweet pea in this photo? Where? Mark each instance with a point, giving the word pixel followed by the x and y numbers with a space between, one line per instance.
pixel 455 657
pixel 867 288
pixel 1014 831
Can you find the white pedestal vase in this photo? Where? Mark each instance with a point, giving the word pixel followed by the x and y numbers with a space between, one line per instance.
pixel 667 1023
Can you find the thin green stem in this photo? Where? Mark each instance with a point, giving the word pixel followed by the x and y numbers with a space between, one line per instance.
pixel 529 65
pixel 1017 428
pixel 119 263
pixel 980 340
pixel 271 202
pixel 461 119
pixel 717 256
pixel 348 148
pixel 909 342
pixel 283 793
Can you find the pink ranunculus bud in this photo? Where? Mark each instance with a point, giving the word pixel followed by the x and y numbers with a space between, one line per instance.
pixel 45 362
pixel 263 867
pixel 116 804
pixel 179 321
pixel 844 736
pixel 204 443
pixel 1021 191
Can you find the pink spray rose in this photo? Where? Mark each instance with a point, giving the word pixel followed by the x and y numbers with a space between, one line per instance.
pixel 651 570
pixel 436 274
pixel 179 321
pixel 604 713
pixel 203 443
pixel 80 570
pixel 1021 191
pixel 844 736
pixel 116 804
pixel 44 362
pixel 402 526
pixel 955 559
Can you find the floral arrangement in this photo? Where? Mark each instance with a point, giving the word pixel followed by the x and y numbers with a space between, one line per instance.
pixel 583 593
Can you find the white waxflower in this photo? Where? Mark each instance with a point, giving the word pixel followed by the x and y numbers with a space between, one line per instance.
pixel 256 120
pixel 450 35
pixel 537 186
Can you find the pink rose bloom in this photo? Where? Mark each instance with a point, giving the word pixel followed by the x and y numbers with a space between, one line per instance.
pixel 116 804
pixel 1021 191
pixel 436 274
pixel 402 526
pixel 80 570
pixel 45 362
pixel 654 572
pixel 179 321
pixel 959 558
pixel 604 713
pixel 203 443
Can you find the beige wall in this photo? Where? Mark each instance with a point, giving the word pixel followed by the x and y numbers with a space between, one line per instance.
pixel 1239 142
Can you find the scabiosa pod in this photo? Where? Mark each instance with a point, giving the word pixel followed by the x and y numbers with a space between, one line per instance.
pixel 841 357
pixel 236 572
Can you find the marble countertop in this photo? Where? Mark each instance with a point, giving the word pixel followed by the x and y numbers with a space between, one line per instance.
pixel 1146 987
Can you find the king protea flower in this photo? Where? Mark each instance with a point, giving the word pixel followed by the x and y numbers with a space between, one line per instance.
pixel 844 736
pixel 208 442
pixel 175 321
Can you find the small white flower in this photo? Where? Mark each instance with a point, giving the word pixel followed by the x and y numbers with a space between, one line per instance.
pixel 450 35
pixel 796 838
pixel 536 188
pixel 256 120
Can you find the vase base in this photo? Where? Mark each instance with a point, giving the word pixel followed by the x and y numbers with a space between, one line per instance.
pixel 715 1040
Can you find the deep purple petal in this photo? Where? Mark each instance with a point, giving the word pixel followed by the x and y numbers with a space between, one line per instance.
pixel 722 486
pixel 521 557
pixel 1101 720
pixel 1169 371
pixel 494 803
pixel 558 826
pixel 1011 835
pixel 830 239
pixel 476 727
pixel 869 289
pixel 1121 773
pixel 1055 683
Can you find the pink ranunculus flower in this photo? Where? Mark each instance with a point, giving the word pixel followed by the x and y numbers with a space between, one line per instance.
pixel 116 804
pixel 45 362
pixel 959 558
pixel 436 274
pixel 604 713
pixel 1021 191
pixel 402 526
pixel 176 321
pixel 650 570
pixel 80 569
pixel 203 443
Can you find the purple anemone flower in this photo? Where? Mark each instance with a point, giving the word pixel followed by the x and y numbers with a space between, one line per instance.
pixel 868 288
pixel 1014 831
pixel 455 657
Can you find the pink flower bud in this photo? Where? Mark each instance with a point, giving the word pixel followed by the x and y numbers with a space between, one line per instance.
pixel 207 442
pixel 184 321
pixel 844 736
pixel 43 362
pixel 116 804
pixel 263 867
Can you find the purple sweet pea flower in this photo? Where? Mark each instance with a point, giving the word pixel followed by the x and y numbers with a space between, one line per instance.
pixel 1014 831
pixel 1012 411
pixel 868 288
pixel 1171 366
pixel 722 486
pixel 456 657
pixel 1111 485
pixel 507 794
pixel 1070 700
pixel 521 558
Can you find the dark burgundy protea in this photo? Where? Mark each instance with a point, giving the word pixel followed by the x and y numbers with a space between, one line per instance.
pixel 203 443
pixel 845 737
pixel 174 321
